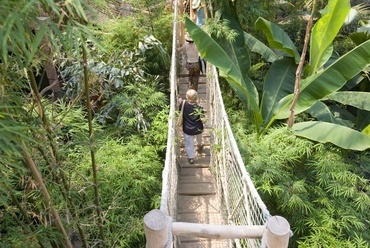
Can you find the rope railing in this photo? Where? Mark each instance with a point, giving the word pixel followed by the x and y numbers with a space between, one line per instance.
pixel 170 170
pixel 240 199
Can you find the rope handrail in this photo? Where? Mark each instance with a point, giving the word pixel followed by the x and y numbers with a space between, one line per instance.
pixel 243 205
pixel 170 169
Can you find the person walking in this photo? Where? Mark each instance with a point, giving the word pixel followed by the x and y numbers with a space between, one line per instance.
pixel 192 61
pixel 198 7
pixel 192 124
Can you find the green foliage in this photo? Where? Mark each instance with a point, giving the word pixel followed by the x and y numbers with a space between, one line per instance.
pixel 319 189
pixel 281 83
pixel 125 92
pixel 295 29
pixel 124 33
pixel 157 135
pixel 120 34
pixel 247 11
pixel 324 31
pixel 342 46
pixel 129 183
pixel 135 110
pixel 55 134
pixel 24 30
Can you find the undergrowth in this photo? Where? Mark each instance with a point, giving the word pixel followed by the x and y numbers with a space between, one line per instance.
pixel 321 190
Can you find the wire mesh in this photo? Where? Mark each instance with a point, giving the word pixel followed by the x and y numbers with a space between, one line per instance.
pixel 241 201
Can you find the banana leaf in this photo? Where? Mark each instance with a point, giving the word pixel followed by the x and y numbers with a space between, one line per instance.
pixel 366 130
pixel 330 80
pixel 279 82
pixel 356 99
pixel 277 38
pixel 324 113
pixel 229 64
pixel 325 30
pixel 363 119
pixel 338 135
pixel 257 46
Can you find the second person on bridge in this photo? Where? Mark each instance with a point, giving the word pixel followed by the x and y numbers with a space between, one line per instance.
pixel 192 61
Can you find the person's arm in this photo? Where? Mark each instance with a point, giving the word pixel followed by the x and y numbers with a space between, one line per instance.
pixel 180 49
pixel 179 102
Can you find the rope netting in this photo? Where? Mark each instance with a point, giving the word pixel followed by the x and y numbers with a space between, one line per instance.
pixel 241 202
pixel 240 199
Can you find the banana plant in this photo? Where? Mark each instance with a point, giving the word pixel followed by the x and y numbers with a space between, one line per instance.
pixel 318 81
pixel 232 60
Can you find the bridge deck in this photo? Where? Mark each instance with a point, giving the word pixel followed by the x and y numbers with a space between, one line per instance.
pixel 197 201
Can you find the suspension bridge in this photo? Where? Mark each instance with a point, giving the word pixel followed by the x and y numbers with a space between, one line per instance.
pixel 213 202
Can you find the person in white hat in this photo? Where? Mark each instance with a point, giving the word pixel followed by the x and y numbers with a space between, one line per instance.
pixel 195 4
pixel 191 53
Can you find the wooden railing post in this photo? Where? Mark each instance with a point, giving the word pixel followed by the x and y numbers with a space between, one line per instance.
pixel 278 232
pixel 155 225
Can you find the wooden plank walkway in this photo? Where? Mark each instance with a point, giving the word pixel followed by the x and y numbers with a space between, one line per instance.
pixel 197 201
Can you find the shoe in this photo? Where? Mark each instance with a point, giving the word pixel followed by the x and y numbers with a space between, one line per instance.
pixel 191 160
pixel 200 148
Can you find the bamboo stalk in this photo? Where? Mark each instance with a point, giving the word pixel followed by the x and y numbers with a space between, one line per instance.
pixel 71 206
pixel 22 211
pixel 92 146
pixel 38 178
pixel 49 134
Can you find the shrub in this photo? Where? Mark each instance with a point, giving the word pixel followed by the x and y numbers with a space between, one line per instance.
pixel 324 195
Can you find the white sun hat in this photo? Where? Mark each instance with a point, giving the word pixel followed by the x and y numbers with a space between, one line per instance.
pixel 187 37
pixel 195 4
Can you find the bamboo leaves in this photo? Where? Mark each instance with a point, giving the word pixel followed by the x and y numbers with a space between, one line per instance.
pixel 25 25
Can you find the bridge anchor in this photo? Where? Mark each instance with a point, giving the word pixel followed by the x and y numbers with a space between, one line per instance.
pixel 276 232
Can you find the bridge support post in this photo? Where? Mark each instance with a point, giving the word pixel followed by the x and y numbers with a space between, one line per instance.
pixel 155 226
pixel 277 233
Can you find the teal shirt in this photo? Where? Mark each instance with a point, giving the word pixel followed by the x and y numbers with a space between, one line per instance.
pixel 200 17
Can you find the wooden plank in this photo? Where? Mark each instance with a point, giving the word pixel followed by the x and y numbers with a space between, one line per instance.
pixel 189 242
pixel 203 153
pixel 187 75
pixel 196 189
pixel 192 179
pixel 190 204
pixel 199 161
pixel 194 171
pixel 201 218
pixel 197 208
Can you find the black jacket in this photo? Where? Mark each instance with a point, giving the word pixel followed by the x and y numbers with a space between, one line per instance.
pixel 192 123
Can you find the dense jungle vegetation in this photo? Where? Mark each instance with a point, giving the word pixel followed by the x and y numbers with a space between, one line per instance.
pixel 83 120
